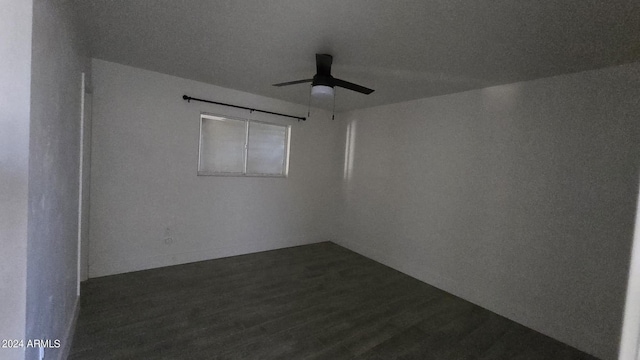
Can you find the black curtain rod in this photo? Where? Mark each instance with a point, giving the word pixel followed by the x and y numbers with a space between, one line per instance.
pixel 189 98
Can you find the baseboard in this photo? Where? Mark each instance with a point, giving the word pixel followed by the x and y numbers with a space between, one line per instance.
pixel 70 331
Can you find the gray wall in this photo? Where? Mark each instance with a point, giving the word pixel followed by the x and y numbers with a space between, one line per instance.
pixel 15 77
pixel 144 186
pixel 519 198
pixel 57 64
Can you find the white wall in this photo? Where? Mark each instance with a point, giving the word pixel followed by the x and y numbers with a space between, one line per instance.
pixel 519 198
pixel 144 186
pixel 15 77
pixel 630 339
pixel 57 64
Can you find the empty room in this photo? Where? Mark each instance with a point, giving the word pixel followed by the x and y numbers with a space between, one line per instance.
pixel 326 179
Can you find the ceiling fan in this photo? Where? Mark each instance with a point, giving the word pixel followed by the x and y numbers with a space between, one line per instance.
pixel 322 83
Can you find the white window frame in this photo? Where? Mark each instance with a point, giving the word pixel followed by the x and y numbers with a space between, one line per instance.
pixel 218 117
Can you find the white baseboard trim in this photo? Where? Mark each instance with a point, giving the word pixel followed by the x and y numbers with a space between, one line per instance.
pixel 70 331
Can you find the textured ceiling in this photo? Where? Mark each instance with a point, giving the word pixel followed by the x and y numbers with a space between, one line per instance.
pixel 403 49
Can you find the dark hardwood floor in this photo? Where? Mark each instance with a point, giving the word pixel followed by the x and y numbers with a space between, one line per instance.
pixel 316 301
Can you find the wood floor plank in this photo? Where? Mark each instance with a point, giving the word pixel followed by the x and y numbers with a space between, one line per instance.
pixel 317 301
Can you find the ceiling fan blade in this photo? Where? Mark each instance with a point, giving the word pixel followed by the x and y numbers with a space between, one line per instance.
pixel 323 64
pixel 294 82
pixel 352 86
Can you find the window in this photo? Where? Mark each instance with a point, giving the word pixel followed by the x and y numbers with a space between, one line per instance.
pixel 237 147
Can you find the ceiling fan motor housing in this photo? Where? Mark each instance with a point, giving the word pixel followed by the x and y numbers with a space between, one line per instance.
pixel 322 80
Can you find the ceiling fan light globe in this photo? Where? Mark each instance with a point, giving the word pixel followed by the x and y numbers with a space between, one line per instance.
pixel 321 91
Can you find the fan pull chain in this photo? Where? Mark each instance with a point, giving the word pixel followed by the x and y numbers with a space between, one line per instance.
pixel 309 107
pixel 333 113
